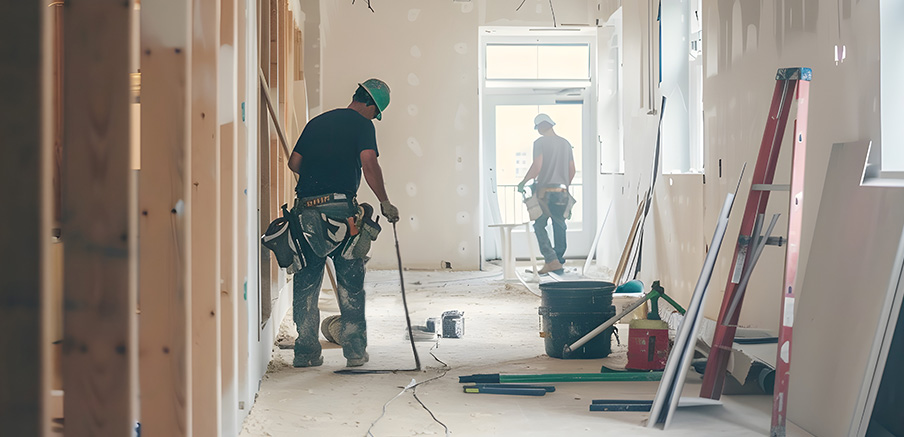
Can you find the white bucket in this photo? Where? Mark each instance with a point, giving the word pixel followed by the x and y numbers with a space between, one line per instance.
pixel 533 207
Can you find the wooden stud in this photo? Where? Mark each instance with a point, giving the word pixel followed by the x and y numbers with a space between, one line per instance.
pixel 165 219
pixel 243 206
pixel 265 200
pixel 275 164
pixel 95 219
pixel 228 238
pixel 282 41
pixel 205 219
pixel 22 237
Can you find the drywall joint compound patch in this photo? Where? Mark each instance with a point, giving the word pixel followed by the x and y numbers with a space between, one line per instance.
pixel 416 51
pixel 415 146
pixel 413 80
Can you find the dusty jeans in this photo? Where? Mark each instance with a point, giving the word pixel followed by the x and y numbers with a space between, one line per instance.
pixel 306 313
pixel 553 205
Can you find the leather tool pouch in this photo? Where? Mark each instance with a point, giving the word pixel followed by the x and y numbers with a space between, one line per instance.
pixel 282 238
pixel 368 230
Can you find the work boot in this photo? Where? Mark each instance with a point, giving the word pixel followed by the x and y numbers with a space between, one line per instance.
pixel 551 266
pixel 307 361
pixel 357 362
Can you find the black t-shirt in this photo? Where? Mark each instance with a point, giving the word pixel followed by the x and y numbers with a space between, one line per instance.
pixel 330 147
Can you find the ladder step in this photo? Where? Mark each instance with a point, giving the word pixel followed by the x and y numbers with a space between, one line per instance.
pixel 770 187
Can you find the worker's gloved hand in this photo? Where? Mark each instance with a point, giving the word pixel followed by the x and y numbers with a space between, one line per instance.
pixel 521 187
pixel 389 211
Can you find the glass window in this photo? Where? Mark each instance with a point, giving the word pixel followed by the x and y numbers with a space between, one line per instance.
pixel 891 33
pixel 526 61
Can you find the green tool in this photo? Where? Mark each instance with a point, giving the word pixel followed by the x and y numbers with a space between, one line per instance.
pixel 492 378
pixel 655 293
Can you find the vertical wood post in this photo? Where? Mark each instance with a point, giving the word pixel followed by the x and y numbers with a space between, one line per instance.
pixel 242 205
pixel 165 219
pixel 22 237
pixel 95 219
pixel 205 219
pixel 228 262
pixel 264 200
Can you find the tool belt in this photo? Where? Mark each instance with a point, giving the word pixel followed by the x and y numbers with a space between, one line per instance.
pixel 368 230
pixel 544 204
pixel 282 237
pixel 331 220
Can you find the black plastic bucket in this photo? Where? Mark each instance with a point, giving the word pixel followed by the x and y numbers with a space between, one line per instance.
pixel 570 310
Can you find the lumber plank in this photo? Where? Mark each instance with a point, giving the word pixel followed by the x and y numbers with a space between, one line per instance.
pixel 242 205
pixel 165 219
pixel 205 219
pixel 21 293
pixel 228 240
pixel 95 219
pixel 265 199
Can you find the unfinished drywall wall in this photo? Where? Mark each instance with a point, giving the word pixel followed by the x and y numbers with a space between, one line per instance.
pixel 744 44
pixel 855 245
pixel 428 138
pixel 427 52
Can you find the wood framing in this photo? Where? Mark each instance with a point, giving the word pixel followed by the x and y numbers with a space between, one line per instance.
pixel 21 233
pixel 228 235
pixel 264 178
pixel 95 219
pixel 244 207
pixel 205 219
pixel 164 219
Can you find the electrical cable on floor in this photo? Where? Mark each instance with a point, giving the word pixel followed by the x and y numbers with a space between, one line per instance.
pixel 413 387
pixel 410 384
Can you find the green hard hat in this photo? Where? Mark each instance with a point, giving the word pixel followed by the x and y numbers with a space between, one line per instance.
pixel 378 91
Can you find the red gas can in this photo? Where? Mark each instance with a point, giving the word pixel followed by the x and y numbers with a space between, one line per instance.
pixel 648 344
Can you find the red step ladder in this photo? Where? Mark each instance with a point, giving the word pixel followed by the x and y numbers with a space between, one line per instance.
pixel 791 83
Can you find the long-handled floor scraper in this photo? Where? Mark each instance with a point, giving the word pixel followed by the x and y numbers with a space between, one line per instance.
pixel 417 360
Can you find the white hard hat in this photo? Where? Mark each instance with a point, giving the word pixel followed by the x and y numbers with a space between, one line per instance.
pixel 540 118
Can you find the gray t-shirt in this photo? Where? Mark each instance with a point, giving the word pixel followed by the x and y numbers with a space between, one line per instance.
pixel 557 155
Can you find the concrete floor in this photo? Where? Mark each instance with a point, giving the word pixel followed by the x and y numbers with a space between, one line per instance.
pixel 501 336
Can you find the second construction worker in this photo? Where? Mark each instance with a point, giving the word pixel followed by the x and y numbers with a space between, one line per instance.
pixel 330 154
pixel 553 168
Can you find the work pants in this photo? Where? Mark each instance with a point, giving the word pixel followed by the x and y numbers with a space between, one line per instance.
pixel 553 204
pixel 306 313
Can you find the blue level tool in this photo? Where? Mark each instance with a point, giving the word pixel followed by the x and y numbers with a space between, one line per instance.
pixel 502 390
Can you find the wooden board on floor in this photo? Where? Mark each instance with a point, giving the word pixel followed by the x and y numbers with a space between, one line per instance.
pixel 95 219
pixel 164 228
pixel 21 233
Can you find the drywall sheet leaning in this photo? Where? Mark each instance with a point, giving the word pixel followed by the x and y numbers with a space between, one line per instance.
pixel 851 260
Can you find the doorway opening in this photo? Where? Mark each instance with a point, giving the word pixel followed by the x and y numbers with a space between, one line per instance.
pixel 525 72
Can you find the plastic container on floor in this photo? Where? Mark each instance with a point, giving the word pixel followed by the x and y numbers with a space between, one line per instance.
pixel 570 310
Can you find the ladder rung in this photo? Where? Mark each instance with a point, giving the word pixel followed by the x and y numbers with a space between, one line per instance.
pixel 770 187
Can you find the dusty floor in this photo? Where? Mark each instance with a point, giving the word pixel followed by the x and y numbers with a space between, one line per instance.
pixel 501 336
